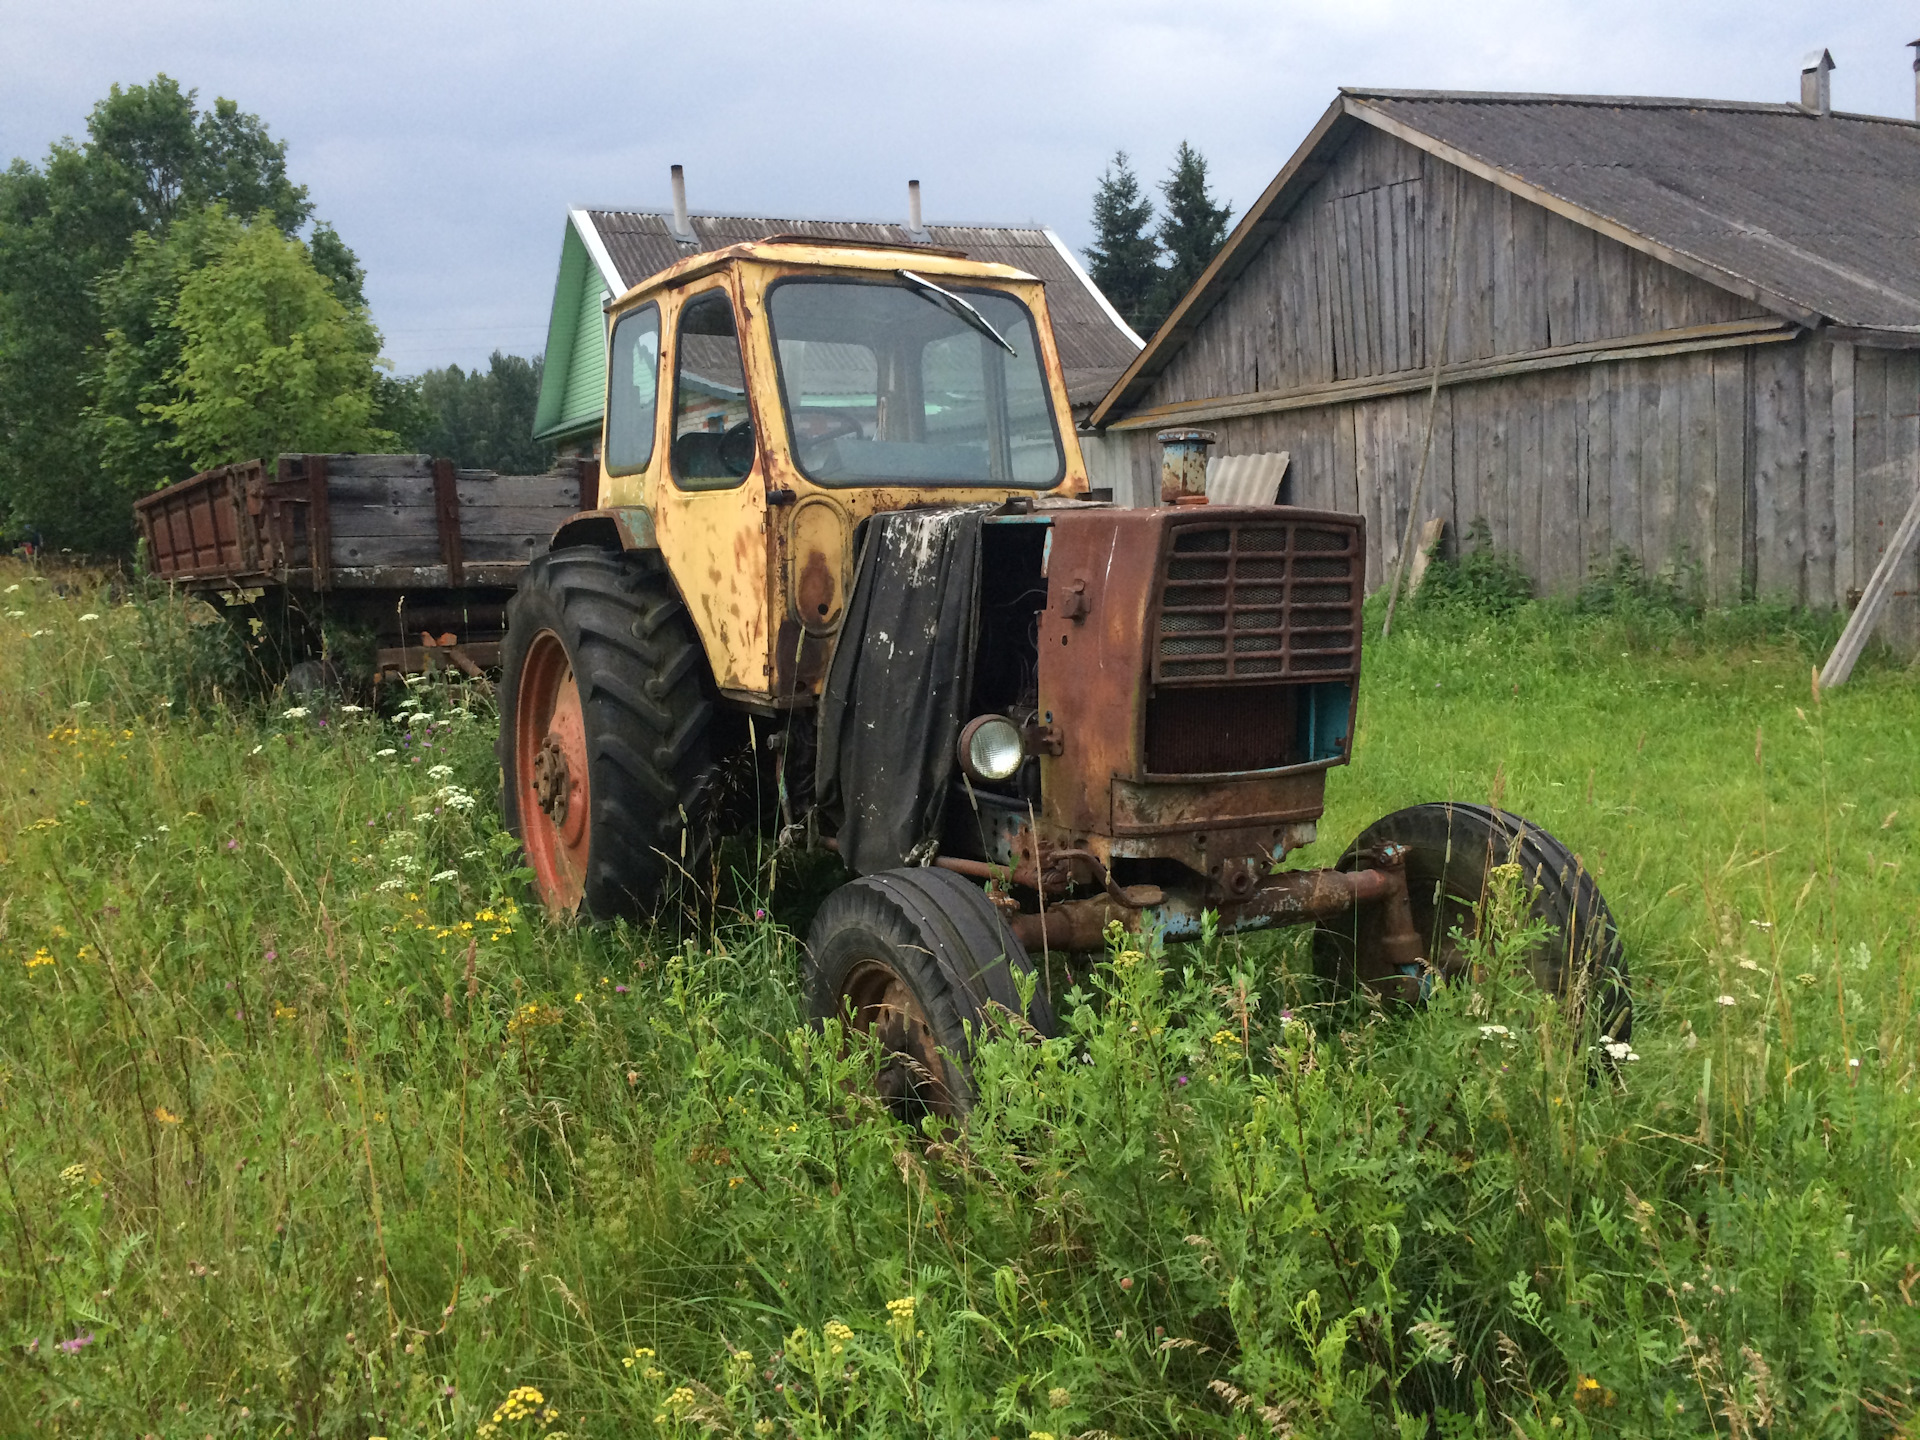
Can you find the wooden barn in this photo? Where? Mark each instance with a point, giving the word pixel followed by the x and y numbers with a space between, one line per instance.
pixel 1688 329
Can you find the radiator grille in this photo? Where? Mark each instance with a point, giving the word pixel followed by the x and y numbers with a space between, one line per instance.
pixel 1221 731
pixel 1258 603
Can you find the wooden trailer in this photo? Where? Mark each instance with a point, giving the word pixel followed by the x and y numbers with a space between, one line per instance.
pixel 419 553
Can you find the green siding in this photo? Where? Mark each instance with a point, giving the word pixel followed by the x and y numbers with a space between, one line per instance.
pixel 586 392
pixel 573 383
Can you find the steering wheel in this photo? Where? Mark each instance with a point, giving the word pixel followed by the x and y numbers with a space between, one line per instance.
pixel 737 449
pixel 814 427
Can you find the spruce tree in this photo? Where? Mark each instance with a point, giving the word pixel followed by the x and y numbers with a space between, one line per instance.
pixel 1191 231
pixel 1124 259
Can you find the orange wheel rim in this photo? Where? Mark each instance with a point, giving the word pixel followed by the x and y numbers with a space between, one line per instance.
pixel 550 769
pixel 914 1080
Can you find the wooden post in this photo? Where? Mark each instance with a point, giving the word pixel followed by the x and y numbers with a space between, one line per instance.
pixel 1872 601
pixel 319 523
pixel 588 468
pixel 446 517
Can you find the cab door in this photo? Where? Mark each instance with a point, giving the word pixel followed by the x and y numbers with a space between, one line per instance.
pixel 709 496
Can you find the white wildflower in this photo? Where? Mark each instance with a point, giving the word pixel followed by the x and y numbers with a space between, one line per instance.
pixel 297 712
pixel 406 864
pixel 35 635
pixel 16 614
pixel 439 772
pixel 383 754
pixel 89 617
pixel 83 704
pixel 166 704
pixel 1853 1064
pixel 473 854
pixel 390 885
pixel 439 875
pixel 1619 1050
pixel 411 681
pixel 9 590
pixel 353 709
pixel 1725 1000
pixel 1632 1055
pixel 1746 964
pixel 1487 1032
pixel 163 829
pixel 256 749
pixel 419 717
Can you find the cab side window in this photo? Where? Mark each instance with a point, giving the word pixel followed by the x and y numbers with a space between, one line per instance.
pixel 633 390
pixel 713 441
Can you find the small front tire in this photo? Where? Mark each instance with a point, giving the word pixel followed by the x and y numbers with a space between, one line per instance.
pixel 1450 852
pixel 917 956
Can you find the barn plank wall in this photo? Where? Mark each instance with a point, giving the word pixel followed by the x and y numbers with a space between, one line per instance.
pixel 1765 469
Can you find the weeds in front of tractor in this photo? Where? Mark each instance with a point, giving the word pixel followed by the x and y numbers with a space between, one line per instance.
pixel 313 1128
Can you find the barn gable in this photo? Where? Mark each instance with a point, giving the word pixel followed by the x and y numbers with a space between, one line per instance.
pixel 1344 285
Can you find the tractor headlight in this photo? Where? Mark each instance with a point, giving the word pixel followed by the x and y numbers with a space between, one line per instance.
pixel 991 748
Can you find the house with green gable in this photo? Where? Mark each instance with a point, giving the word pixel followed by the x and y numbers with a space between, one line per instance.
pixel 604 253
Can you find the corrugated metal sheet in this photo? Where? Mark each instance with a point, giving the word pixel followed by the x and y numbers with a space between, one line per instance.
pixel 1246 479
pixel 1093 348
pixel 1823 211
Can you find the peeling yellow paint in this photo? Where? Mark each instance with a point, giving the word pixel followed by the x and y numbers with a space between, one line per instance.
pixel 753 579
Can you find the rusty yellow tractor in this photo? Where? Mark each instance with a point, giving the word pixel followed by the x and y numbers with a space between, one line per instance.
pixel 845 545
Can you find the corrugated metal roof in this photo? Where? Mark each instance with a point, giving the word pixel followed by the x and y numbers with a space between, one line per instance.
pixel 1095 346
pixel 1816 217
pixel 1821 212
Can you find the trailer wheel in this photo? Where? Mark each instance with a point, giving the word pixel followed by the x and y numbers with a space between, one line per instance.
pixel 604 716
pixel 1450 852
pixel 916 956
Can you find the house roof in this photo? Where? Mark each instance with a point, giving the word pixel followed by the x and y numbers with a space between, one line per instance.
pixel 1815 217
pixel 627 246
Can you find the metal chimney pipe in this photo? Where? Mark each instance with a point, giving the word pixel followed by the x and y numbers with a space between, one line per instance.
pixel 682 226
pixel 1914 45
pixel 1816 90
pixel 913 197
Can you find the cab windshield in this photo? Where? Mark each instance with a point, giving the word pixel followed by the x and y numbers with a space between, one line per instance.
pixel 881 383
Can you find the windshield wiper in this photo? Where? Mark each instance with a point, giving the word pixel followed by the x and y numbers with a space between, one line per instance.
pixel 956 307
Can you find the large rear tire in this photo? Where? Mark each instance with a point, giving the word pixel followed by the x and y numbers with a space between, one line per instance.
pixel 917 956
pixel 1450 852
pixel 605 709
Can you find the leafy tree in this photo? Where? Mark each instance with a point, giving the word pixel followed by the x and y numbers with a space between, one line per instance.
pixel 1192 229
pixel 1124 259
pixel 140 352
pixel 484 418
pixel 271 358
pixel 151 155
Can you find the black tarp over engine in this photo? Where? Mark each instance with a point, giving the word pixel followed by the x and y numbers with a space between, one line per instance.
pixel 890 713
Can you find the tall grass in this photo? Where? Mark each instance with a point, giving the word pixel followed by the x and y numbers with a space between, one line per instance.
pixel 313 1128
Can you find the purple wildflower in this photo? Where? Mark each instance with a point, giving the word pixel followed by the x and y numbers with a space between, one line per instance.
pixel 759 914
pixel 619 989
pixel 273 954
pixel 1179 1079
pixel 233 844
pixel 77 1343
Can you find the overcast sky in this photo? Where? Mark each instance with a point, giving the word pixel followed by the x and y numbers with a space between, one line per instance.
pixel 446 140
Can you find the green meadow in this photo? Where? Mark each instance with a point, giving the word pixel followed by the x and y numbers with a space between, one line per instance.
pixel 311 1125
